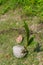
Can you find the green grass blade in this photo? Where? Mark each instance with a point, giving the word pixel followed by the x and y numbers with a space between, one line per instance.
pixel 30 40
pixel 27 31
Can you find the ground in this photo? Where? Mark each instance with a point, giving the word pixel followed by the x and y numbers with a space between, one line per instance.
pixel 8 22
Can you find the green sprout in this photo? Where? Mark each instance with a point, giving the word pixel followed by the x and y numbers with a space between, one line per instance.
pixel 29 39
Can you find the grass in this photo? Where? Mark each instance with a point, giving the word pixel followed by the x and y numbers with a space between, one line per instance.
pixel 13 13
pixel 29 7
pixel 7 41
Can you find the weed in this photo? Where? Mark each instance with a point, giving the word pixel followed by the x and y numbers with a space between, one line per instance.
pixel 29 39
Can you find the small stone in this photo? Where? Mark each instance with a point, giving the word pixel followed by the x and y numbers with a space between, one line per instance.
pixel 18 51
pixel 19 39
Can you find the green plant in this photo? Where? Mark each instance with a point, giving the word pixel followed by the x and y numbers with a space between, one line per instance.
pixel 29 7
pixel 29 39
pixel 27 10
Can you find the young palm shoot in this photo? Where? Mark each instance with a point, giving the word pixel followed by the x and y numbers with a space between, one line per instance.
pixel 21 51
pixel 29 39
pixel 27 31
